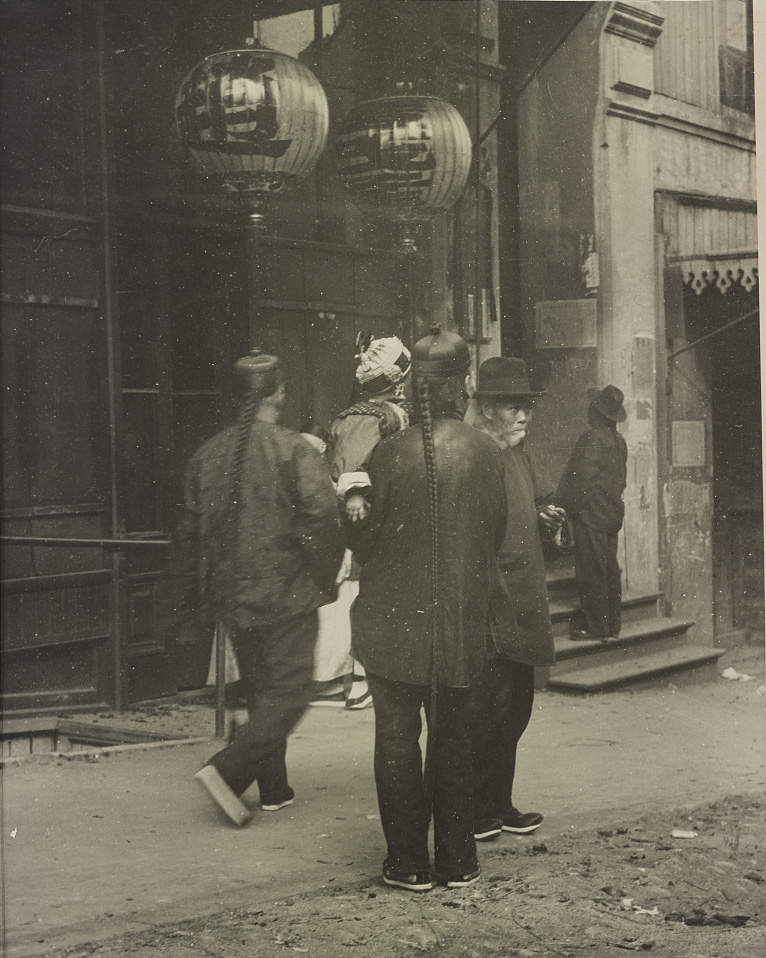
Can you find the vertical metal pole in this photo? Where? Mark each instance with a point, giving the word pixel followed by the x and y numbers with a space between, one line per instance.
pixel 319 173
pixel 112 346
pixel 220 681
pixel 478 300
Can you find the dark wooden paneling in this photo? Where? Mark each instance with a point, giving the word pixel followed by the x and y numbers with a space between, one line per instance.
pixel 53 356
pixel 281 272
pixel 145 633
pixel 329 277
pixel 23 561
pixel 377 283
pixel 54 616
pixel 284 333
pixel 138 475
pixel 57 672
pixel 43 102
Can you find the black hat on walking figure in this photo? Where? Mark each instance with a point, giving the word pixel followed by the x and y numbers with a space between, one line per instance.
pixel 259 375
pixel 608 402
pixel 505 376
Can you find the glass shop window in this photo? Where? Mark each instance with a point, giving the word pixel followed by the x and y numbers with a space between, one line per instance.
pixel 735 56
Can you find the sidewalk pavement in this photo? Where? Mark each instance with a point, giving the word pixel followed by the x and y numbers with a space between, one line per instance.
pixel 95 848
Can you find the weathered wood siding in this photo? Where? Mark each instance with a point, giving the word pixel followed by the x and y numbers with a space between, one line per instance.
pixel 686 62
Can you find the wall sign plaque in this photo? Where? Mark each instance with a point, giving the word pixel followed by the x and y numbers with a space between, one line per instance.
pixel 565 324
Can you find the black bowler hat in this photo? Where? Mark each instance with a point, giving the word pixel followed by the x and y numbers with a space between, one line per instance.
pixel 609 402
pixel 440 355
pixel 505 376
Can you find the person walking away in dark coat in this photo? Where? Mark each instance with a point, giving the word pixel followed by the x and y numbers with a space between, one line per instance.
pixel 591 491
pixel 429 572
pixel 383 366
pixel 258 548
pixel 504 695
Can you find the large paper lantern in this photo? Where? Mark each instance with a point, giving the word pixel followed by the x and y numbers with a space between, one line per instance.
pixel 405 157
pixel 253 121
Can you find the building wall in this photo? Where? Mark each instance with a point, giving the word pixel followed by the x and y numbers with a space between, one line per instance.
pixel 656 122
pixel 705 183
pixel 556 128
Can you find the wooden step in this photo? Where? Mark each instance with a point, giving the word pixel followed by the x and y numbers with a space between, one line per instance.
pixel 638 669
pixel 633 634
pixel 634 607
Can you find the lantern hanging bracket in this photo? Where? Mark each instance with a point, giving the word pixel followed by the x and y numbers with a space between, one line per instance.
pixel 488 131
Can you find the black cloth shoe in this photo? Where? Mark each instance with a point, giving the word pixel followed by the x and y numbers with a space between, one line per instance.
pixel 460 881
pixel 417 881
pixel 487 829
pixel 521 823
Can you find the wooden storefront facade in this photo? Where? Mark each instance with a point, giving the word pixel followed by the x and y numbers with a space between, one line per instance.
pixel 129 289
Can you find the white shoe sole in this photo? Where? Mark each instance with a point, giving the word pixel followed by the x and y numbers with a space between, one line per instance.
pixel 393 883
pixel 464 884
pixel 487 836
pixel 522 831
pixel 212 781
pixel 275 808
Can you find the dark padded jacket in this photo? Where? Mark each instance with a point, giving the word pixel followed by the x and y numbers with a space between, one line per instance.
pixel 522 563
pixel 593 482
pixel 289 542
pixel 392 616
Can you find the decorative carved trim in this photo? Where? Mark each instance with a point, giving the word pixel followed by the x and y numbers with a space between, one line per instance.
pixel 627 112
pixel 686 128
pixel 702 274
pixel 634 23
pixel 624 87
pixel 691 198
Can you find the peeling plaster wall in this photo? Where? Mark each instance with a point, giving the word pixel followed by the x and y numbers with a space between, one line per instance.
pixel 688 511
pixel 624 169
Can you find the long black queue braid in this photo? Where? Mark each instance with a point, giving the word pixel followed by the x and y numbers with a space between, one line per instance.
pixel 426 422
pixel 244 423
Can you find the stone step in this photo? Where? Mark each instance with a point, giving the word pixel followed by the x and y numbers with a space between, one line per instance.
pixel 643 635
pixel 634 607
pixel 561 585
pixel 636 669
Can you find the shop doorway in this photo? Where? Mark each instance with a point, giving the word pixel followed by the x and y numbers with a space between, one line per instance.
pixel 725 327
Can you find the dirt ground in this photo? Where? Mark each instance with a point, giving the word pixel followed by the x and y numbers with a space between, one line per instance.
pixel 598 893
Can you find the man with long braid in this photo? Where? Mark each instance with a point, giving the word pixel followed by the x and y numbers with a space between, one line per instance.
pixel 258 548
pixel 429 572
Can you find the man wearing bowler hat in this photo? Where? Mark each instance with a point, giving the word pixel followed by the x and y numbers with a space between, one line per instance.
pixel 591 491
pixel 505 692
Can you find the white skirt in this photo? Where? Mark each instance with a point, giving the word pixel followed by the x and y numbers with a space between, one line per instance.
pixel 332 656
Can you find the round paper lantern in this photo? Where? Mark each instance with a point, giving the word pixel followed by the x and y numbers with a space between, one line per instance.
pixel 253 121
pixel 406 157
